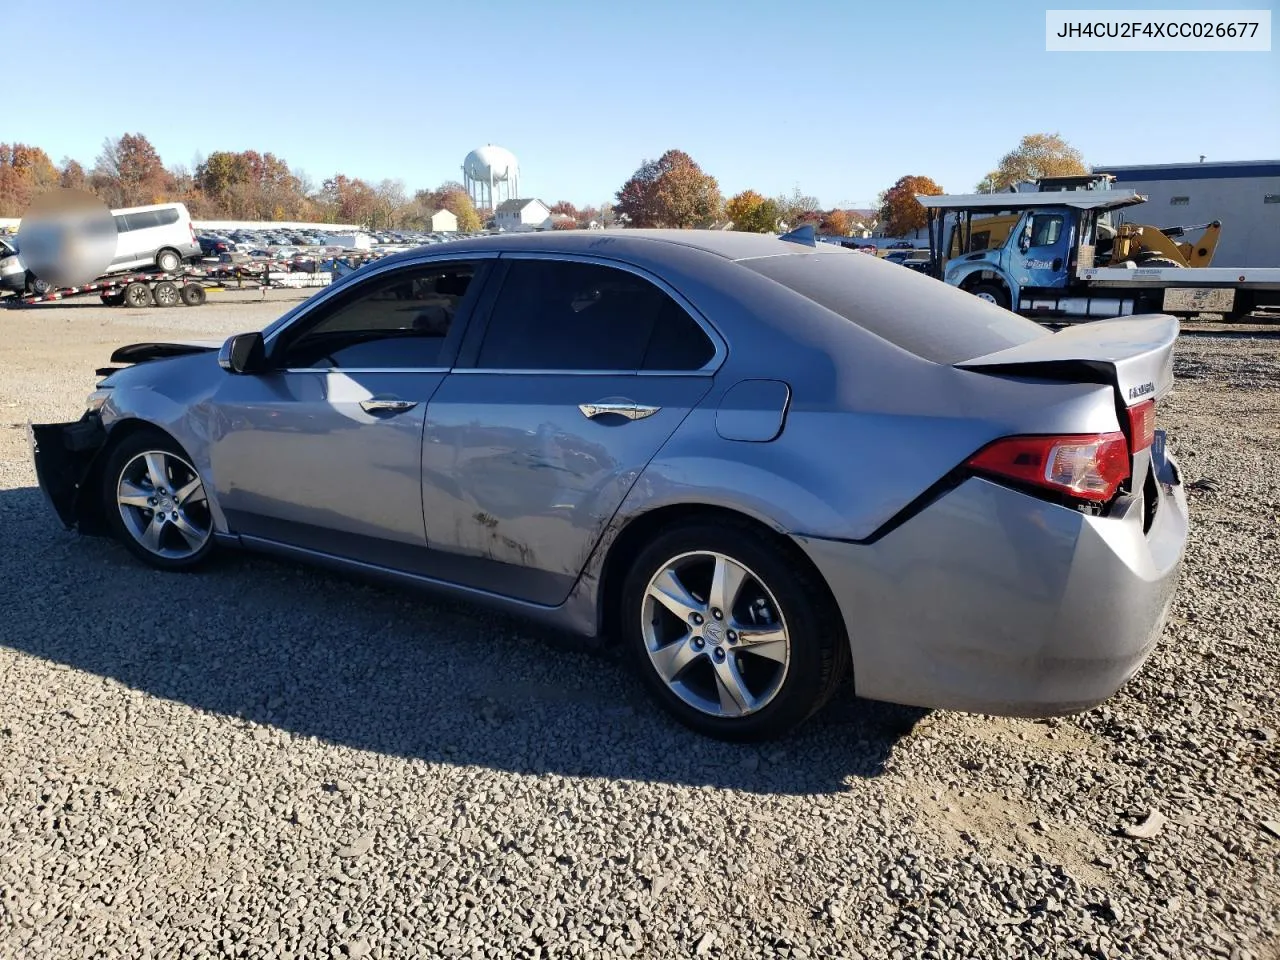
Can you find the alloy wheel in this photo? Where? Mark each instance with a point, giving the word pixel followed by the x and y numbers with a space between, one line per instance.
pixel 715 634
pixel 163 505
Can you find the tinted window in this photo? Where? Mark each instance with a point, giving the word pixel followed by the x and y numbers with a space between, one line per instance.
pixel 553 315
pixel 399 320
pixel 122 223
pixel 164 217
pixel 917 313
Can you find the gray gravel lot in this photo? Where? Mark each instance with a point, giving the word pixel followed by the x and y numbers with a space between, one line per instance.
pixel 269 761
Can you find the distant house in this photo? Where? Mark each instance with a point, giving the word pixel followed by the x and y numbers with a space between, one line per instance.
pixel 442 221
pixel 517 215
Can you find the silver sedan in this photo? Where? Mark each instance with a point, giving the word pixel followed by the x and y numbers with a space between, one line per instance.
pixel 763 465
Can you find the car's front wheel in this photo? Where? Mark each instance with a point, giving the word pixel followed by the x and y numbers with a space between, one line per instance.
pixel 155 502
pixel 733 634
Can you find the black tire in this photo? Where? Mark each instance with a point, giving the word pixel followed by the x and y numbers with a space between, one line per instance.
pixel 121 461
pixel 992 293
pixel 113 299
pixel 137 294
pixel 166 294
pixel 37 286
pixel 170 261
pixel 1154 260
pixel 193 295
pixel 815 638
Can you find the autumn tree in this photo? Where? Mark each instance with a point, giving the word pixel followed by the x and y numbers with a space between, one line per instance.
pixel 350 198
pixel 564 222
pixel 72 175
pixel 836 223
pixel 250 185
pixel 565 208
pixel 389 208
pixel 671 191
pixel 451 196
pixel 128 172
pixel 25 173
pixel 796 208
pixel 752 213
pixel 1037 155
pixel 900 211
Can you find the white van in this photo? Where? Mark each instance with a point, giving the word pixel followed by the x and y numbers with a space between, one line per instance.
pixel 159 235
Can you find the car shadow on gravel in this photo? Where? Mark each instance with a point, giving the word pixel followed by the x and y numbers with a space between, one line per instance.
pixel 392 671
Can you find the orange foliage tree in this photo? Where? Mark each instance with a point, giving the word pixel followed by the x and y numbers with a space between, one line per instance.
pixel 900 211
pixel 671 191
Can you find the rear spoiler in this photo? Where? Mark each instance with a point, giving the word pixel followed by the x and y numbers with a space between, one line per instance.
pixel 1135 354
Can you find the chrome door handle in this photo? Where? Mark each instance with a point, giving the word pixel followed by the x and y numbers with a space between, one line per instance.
pixel 632 411
pixel 386 405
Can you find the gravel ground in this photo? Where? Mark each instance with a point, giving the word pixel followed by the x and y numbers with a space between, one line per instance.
pixel 268 761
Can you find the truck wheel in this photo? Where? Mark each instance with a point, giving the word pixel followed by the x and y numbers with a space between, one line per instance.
pixel 168 261
pixel 992 293
pixel 193 295
pixel 137 294
pixel 1156 261
pixel 166 294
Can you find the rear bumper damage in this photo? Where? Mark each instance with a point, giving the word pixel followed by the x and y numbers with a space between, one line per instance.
pixel 993 601
pixel 65 455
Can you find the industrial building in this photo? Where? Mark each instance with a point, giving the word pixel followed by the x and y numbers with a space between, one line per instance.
pixel 1244 195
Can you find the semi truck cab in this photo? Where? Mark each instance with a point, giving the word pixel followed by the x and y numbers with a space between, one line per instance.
pixel 1037 259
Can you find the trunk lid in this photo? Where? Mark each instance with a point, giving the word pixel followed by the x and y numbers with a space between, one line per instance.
pixel 1134 354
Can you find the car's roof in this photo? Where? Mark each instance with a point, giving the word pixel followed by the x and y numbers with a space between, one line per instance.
pixel 728 244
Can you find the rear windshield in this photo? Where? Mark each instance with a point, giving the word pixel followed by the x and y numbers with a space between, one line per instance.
pixel 934 321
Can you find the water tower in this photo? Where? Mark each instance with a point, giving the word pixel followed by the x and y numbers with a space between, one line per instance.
pixel 491 174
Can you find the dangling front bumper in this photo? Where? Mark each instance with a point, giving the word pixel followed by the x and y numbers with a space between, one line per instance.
pixel 65 455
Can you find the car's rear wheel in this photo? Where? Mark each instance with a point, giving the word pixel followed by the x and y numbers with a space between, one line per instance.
pixel 992 293
pixel 168 261
pixel 155 502
pixel 735 637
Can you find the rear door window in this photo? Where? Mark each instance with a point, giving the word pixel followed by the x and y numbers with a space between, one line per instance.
pixel 566 315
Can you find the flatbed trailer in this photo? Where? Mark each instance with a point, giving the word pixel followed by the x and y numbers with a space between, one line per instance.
pixel 132 289
pixel 189 287
pixel 1046 266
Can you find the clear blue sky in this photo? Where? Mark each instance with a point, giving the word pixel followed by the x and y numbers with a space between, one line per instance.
pixel 840 98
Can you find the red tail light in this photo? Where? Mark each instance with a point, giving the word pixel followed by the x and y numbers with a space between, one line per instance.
pixel 1090 467
pixel 1142 425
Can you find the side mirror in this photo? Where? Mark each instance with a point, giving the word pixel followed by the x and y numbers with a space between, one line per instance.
pixel 243 353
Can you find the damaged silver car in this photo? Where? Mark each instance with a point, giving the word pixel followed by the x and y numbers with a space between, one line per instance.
pixel 763 465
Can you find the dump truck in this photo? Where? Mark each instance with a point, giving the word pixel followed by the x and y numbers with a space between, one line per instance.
pixel 1065 253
